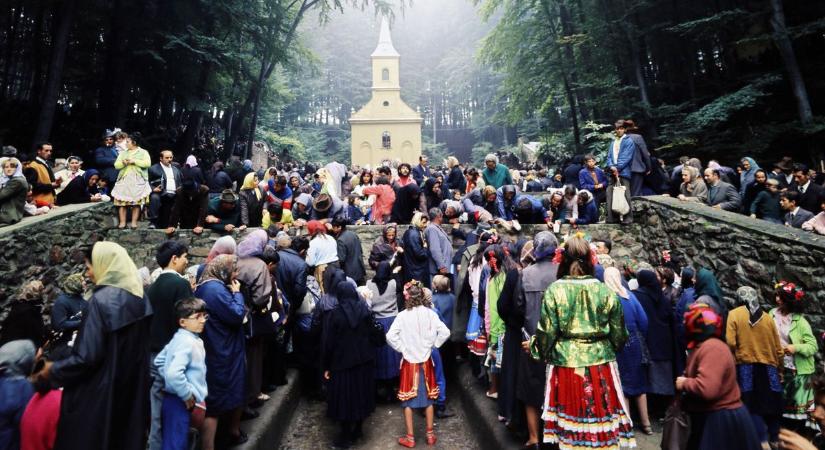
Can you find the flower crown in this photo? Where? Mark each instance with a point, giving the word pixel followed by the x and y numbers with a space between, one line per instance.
pixel 789 291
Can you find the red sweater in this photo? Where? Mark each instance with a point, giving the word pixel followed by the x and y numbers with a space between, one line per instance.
pixel 384 199
pixel 711 378
pixel 38 426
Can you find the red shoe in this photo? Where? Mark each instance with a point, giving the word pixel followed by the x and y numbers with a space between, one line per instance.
pixel 407 441
pixel 431 439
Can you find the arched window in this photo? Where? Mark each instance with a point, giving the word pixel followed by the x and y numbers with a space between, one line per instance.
pixel 385 140
pixel 385 74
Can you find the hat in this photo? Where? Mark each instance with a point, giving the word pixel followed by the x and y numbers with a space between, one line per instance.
pixel 8 150
pixel 322 202
pixel 785 164
pixel 111 133
pixel 228 196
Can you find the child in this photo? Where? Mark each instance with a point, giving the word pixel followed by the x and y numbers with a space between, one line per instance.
pixel 414 333
pixel 800 346
pixel 182 364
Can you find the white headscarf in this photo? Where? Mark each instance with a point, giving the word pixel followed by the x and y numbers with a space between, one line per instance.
pixel 17 173
pixel 613 280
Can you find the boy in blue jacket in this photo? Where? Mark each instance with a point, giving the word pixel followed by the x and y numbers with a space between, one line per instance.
pixel 182 364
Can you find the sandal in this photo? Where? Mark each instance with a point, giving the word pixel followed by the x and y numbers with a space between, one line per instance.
pixel 431 439
pixel 407 441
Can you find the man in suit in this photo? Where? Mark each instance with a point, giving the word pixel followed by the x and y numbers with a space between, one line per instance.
pixel 165 180
pixel 43 188
pixel 795 215
pixel 422 171
pixel 809 191
pixel 721 195
pixel 619 158
pixel 641 164
pixel 783 173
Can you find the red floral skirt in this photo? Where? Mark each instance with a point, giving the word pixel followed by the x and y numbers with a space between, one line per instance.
pixel 584 408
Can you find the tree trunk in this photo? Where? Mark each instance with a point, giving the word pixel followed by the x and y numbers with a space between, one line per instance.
pixel 55 76
pixel 783 43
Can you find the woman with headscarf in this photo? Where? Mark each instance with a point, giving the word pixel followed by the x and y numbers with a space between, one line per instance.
pixel 706 284
pixel 633 358
pixel 13 191
pixel 747 176
pixel 754 340
pixel 223 338
pixel 693 187
pixel 256 287
pixel 67 313
pixel 659 314
pixel 685 300
pixel 432 193
pixel 580 330
pixel 799 346
pixel 718 419
pixel 348 362
pixel 106 378
pixel 24 319
pixel 384 306
pixel 503 325
pixel 385 248
pixel 82 189
pixel 322 252
pixel 252 206
pixel 16 362
pixel 415 260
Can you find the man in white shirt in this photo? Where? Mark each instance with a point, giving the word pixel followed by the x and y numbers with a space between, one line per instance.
pixel 809 191
pixel 165 179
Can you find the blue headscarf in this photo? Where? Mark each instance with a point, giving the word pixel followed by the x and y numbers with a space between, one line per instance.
pixel 747 176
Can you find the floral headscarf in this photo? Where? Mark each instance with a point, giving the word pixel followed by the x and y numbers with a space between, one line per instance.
pixel 33 290
pixel 253 244
pixel 749 297
pixel 221 268
pixel 701 323
pixel 613 280
pixel 73 284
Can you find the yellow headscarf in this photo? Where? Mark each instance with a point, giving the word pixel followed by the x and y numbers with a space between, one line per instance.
pixel 250 184
pixel 112 266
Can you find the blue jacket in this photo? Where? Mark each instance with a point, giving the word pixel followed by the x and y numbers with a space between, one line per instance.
pixel 588 213
pixel 538 215
pixel 586 180
pixel 105 158
pixel 419 173
pixel 182 364
pixel 626 150
pixel 223 338
pixel 15 393
pixel 443 302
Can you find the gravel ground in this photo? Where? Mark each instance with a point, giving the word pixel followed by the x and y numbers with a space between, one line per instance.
pixel 310 429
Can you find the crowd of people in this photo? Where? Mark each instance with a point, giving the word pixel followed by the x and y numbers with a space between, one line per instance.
pixel 573 348
pixel 233 196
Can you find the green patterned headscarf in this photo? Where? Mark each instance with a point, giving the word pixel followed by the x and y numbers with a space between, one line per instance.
pixel 73 284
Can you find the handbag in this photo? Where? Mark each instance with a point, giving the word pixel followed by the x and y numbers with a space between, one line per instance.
pixel 619 203
pixel 676 427
pixel 377 337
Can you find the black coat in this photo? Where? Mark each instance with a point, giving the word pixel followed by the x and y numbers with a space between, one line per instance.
pixel 76 192
pixel 406 203
pixel 456 181
pixel 157 177
pixel 351 256
pixel 291 277
pixel 810 199
pixel 106 378
pixel 416 257
pixel 252 208
pixel 163 294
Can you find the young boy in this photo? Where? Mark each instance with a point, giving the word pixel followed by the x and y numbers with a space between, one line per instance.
pixel 182 364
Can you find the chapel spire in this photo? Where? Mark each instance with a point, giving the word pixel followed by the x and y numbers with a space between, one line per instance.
pixel 385 48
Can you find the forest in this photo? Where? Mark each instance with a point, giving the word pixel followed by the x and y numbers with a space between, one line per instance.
pixel 715 79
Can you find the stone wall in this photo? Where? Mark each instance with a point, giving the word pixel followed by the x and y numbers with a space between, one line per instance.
pixel 741 251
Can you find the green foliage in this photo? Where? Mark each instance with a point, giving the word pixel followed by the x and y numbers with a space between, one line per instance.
pixel 480 150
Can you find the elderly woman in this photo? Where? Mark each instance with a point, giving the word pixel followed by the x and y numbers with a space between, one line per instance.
pixel 754 340
pixel 82 189
pixel 659 312
pixel 386 247
pixel 580 330
pixel 223 338
pixel 13 191
pixel 416 257
pixel 384 305
pixel 68 174
pixel 132 188
pixel 252 209
pixel 759 184
pixel 765 204
pixel 748 174
pixel 711 395
pixel 106 377
pixel 693 188
pixel 24 320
